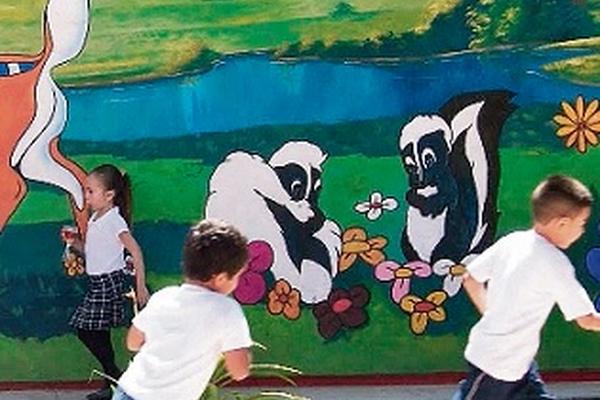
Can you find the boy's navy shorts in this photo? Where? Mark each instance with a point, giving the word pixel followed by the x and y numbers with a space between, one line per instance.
pixel 480 386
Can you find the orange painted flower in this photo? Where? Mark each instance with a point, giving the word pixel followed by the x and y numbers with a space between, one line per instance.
pixel 355 243
pixel 283 299
pixel 580 124
pixel 421 311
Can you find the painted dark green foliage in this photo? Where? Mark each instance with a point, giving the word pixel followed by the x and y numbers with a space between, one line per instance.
pixel 471 24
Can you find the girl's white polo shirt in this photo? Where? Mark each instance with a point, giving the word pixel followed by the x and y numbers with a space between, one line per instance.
pixel 103 248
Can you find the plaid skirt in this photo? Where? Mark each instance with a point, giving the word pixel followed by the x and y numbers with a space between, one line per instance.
pixel 103 305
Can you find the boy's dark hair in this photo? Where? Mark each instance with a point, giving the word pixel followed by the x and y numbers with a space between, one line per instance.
pixel 559 196
pixel 212 247
pixel 112 179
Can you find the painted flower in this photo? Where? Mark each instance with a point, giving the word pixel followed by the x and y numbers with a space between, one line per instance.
pixel 73 261
pixel 579 125
pixel 356 244
pixel 284 299
pixel 401 275
pixel 252 287
pixel 421 311
pixel 375 206
pixel 453 273
pixel 342 309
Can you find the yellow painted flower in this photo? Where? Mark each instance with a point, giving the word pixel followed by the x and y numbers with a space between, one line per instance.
pixel 579 124
pixel 355 243
pixel 421 311
pixel 284 299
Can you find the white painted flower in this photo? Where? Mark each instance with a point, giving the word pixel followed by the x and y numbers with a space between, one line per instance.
pixel 375 206
pixel 453 273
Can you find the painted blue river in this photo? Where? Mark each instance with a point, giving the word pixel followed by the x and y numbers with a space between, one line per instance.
pixel 247 91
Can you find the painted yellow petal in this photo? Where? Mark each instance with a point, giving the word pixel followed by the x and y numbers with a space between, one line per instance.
pixel 565 130
pixel 594 127
pixel 437 297
pixel 458 270
pixel 438 314
pixel 408 302
pixel 418 322
pixel 354 234
pixel 373 257
pixel 291 311
pixel 594 119
pixel 562 120
pixel 572 139
pixel 346 261
pixel 282 287
pixel 378 242
pixel 355 246
pixel 579 108
pixel 591 109
pixel 581 144
pixel 294 297
pixel 275 307
pixel 569 111
pixel 591 137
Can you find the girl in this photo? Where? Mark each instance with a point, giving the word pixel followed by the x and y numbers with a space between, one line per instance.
pixel 107 193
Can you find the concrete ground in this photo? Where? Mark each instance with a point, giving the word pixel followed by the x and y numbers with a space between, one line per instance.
pixel 572 390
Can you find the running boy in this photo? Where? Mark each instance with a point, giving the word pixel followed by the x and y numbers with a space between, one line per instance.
pixel 515 284
pixel 183 330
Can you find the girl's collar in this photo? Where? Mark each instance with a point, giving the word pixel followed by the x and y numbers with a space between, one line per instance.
pixel 96 217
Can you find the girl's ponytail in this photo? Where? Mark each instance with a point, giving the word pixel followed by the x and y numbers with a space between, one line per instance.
pixel 113 179
pixel 123 198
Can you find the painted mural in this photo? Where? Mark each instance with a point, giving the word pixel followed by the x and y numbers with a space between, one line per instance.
pixel 368 149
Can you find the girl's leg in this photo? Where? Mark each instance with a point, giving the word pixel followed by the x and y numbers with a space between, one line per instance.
pixel 100 345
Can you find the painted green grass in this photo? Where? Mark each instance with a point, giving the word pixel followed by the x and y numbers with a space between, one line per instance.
pixel 152 38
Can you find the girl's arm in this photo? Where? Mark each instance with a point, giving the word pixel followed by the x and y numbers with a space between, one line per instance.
pixel 138 263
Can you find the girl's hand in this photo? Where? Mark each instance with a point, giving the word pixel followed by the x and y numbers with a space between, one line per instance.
pixel 142 295
pixel 69 234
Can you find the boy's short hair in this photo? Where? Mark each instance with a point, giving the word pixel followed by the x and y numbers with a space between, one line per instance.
pixel 212 247
pixel 559 196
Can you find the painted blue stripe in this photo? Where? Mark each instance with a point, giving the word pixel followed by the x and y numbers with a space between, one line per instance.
pixel 23 67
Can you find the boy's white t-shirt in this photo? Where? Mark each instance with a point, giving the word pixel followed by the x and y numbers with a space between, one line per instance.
pixel 103 248
pixel 526 276
pixel 186 330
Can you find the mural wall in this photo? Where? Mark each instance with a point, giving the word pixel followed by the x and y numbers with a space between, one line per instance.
pixel 368 149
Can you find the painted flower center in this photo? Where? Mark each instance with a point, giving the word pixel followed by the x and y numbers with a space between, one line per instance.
pixel 283 298
pixel 424 306
pixel 457 270
pixel 341 305
pixel 403 273
pixel 376 205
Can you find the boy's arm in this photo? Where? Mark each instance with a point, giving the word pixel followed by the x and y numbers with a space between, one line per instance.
pixel 135 339
pixel 476 291
pixel 237 363
pixel 138 263
pixel 589 322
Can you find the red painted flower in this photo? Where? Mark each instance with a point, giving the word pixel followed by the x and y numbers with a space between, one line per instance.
pixel 342 309
pixel 252 286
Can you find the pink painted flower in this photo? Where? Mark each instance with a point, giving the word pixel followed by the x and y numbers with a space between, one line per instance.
pixel 252 286
pixel 401 275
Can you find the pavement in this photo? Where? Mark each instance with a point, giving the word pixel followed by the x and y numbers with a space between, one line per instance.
pixel 571 391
